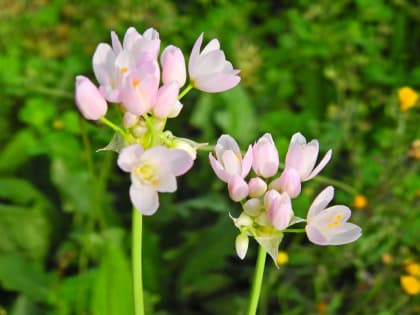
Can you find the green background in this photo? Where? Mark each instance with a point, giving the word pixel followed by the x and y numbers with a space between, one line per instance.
pixel 329 69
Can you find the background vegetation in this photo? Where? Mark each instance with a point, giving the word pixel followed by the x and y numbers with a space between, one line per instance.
pixel 330 69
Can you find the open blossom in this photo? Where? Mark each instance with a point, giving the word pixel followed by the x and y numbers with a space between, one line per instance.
pixel 300 165
pixel 209 70
pixel 329 226
pixel 265 160
pixel 88 99
pixel 229 161
pixel 112 63
pixel 152 171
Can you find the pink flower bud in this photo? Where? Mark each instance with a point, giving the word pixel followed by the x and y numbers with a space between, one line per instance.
pixel 257 187
pixel 167 104
pixel 289 182
pixel 279 210
pixel 241 245
pixel 265 161
pixel 237 187
pixel 89 100
pixel 173 65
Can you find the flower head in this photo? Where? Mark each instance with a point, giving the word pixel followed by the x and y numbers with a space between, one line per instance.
pixel 408 98
pixel 228 160
pixel 152 171
pixel 209 70
pixel 328 226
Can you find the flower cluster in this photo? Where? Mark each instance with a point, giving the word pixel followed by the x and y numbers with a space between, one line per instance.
pixel 147 88
pixel 266 198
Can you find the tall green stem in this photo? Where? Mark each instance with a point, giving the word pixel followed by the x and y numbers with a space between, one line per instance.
pixel 185 91
pixel 137 263
pixel 257 282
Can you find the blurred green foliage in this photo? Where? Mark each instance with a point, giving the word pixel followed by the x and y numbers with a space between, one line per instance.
pixel 330 69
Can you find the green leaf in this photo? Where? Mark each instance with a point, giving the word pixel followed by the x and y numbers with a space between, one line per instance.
pixel 21 275
pixel 37 112
pixel 113 292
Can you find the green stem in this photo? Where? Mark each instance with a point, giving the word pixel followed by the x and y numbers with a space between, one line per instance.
pixel 113 126
pixel 185 91
pixel 257 282
pixel 337 183
pixel 294 231
pixel 137 263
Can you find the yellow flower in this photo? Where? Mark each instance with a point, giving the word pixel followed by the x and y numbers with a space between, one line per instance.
pixel 408 98
pixel 360 202
pixel 413 269
pixel 282 258
pixel 386 258
pixel 410 284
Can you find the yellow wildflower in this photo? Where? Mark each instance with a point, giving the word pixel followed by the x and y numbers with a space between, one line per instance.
pixel 408 98
pixel 410 284
pixel 386 258
pixel 413 269
pixel 360 202
pixel 282 258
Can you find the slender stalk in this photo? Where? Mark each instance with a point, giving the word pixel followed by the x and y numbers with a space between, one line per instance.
pixel 137 263
pixel 112 126
pixel 185 91
pixel 343 186
pixel 257 282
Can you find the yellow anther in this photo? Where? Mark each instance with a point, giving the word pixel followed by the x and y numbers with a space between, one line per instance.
pixel 124 70
pixel 135 83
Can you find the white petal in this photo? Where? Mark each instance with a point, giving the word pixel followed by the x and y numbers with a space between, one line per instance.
pixel 129 157
pixel 327 216
pixel 349 233
pixel 320 202
pixel 320 166
pixel 218 169
pixel 144 199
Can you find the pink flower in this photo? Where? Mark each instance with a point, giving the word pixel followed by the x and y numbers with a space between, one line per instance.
pixel 237 187
pixel 265 160
pixel 302 157
pixel 228 161
pixel 112 64
pixel 152 171
pixel 209 70
pixel 88 99
pixel 173 65
pixel 279 209
pixel 167 104
pixel 139 88
pixel 328 226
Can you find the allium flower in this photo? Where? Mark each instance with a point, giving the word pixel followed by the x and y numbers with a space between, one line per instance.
pixel 209 70
pixel 88 99
pixel 173 65
pixel 152 171
pixel 328 226
pixel 265 160
pixel 300 165
pixel 228 161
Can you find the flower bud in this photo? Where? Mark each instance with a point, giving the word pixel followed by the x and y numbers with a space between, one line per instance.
pixel 238 188
pixel 280 211
pixel 167 104
pixel 289 182
pixel 243 220
pixel 257 187
pixel 173 65
pixel 265 161
pixel 252 207
pixel 89 100
pixel 241 245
